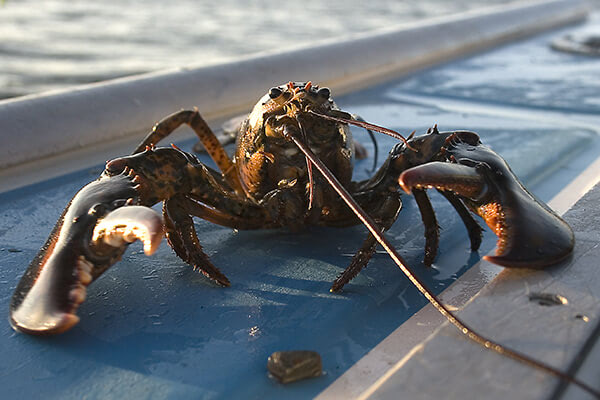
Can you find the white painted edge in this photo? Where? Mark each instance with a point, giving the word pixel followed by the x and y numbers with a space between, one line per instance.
pixel 37 127
pixel 385 359
pixel 575 190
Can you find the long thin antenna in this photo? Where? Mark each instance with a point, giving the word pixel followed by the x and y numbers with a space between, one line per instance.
pixel 311 180
pixel 366 125
pixel 356 117
pixel 439 306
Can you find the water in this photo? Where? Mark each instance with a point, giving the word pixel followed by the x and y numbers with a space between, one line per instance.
pixel 53 44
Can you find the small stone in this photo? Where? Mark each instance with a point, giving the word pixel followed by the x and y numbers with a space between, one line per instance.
pixel 291 366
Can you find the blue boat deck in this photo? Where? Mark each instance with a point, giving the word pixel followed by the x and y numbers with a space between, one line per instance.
pixel 153 328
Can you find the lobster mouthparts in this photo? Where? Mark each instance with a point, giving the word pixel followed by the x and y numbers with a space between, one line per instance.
pixel 530 234
pixel 90 236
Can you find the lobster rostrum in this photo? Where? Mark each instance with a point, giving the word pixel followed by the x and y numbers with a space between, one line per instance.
pixel 270 183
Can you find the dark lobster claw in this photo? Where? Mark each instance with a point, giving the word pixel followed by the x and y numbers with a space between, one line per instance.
pixel 530 234
pixel 90 236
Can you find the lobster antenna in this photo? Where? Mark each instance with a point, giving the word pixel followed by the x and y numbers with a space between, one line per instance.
pixel 433 299
pixel 367 126
pixel 373 140
pixel 309 164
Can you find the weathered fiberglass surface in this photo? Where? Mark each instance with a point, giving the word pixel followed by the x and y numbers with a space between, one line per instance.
pixel 153 328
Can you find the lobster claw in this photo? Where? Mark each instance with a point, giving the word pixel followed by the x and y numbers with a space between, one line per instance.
pixel 90 236
pixel 529 233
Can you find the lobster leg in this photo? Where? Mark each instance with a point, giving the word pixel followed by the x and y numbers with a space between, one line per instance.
pixel 181 234
pixel 213 147
pixel 182 237
pixel 432 229
pixel 474 230
pixel 248 215
pixel 391 208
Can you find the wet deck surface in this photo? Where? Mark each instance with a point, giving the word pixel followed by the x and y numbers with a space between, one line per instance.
pixel 509 310
pixel 153 328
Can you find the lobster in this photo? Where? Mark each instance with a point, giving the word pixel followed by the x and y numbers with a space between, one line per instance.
pixel 270 182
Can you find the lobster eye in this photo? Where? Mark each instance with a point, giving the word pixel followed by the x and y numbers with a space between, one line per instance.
pixel 324 92
pixel 275 92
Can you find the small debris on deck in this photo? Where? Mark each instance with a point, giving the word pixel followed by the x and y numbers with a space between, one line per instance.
pixel 292 366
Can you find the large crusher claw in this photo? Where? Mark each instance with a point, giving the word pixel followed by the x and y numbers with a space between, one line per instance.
pixel 530 234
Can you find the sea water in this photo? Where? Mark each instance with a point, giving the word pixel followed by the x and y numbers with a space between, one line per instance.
pixel 53 44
